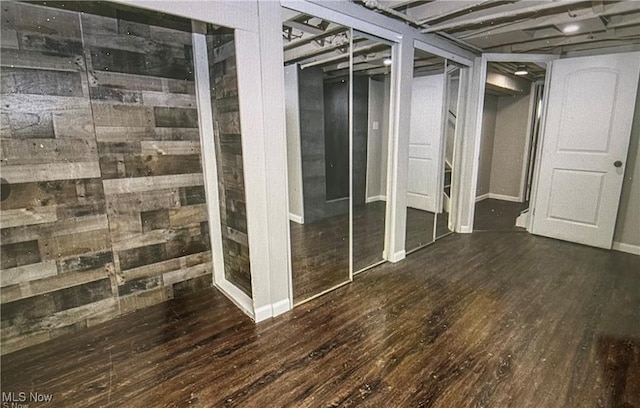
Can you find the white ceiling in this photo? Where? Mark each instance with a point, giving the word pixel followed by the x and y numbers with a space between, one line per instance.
pixel 522 26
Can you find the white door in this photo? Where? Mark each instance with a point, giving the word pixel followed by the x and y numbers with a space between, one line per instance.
pixel 585 141
pixel 425 138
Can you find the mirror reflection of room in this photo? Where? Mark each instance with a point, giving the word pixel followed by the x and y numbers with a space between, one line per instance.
pixel 453 102
pixel 424 192
pixel 317 88
pixel 510 127
pixel 372 65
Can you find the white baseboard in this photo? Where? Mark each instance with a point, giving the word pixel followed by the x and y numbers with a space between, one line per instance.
pixel 398 256
pixel 466 229
pixel 482 197
pixel 504 197
pixel 296 218
pixel 376 198
pixel 268 311
pixel 263 313
pixel 628 248
pixel 281 307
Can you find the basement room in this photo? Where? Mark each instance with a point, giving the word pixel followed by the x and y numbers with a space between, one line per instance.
pixel 314 203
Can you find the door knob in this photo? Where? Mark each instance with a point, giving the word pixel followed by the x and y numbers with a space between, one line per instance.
pixel 617 163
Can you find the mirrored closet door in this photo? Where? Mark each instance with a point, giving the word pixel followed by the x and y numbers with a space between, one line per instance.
pixel 372 66
pixel 424 193
pixel 317 56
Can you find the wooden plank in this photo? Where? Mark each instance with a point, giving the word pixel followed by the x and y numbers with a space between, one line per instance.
pixel 51 284
pixel 50 44
pixel 147 166
pixel 45 151
pixel 163 267
pixel 115 95
pixel 123 115
pixel 53 229
pixel 97 24
pixel 168 35
pixel 192 195
pixel 102 261
pixel 170 147
pixel 137 202
pixel 34 59
pixel 142 184
pixel 184 274
pixel 8 39
pixel 64 246
pixel 229 123
pixel 19 254
pixel 128 134
pixel 74 125
pixel 164 99
pixel 40 194
pixel 9 345
pixel 124 45
pixel 154 61
pixel 40 82
pixel 48 172
pixel 176 117
pixel 139 285
pixel 31 125
pixel 185 288
pixel 154 220
pixel 27 273
pixel 192 214
pixel 147 238
pixel 28 216
pixel 127 81
pixel 38 19
pixel 142 300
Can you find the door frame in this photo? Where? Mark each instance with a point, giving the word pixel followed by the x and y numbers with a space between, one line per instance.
pixel 474 164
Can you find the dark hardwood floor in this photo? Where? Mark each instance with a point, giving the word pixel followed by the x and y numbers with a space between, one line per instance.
pixel 320 250
pixel 482 320
pixel 497 215
pixel 420 226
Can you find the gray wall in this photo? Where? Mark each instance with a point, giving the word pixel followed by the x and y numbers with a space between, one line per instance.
pixel 375 134
pixel 509 145
pixel 628 223
pixel 294 159
pixel 486 148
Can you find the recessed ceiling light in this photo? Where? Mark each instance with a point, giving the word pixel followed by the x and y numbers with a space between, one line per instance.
pixel 521 70
pixel 387 61
pixel 571 28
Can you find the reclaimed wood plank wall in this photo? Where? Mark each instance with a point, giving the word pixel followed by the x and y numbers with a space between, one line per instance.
pixel 226 114
pixel 100 144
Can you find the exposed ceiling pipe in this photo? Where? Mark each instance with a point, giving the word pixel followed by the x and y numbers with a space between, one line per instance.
pixel 374 4
pixel 501 15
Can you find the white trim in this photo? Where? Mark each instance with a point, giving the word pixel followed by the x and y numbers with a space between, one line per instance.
pixel 482 197
pixel 465 229
pixel 296 218
pixel 234 14
pixel 238 297
pixel 350 121
pixel 527 142
pixel 263 313
pixel 628 248
pixel 376 198
pixel 398 256
pixel 423 46
pixel 505 197
pixel 280 307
